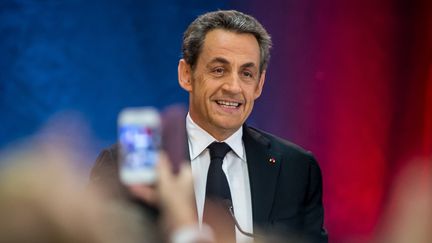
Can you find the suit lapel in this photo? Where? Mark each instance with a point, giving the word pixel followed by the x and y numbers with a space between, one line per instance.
pixel 263 166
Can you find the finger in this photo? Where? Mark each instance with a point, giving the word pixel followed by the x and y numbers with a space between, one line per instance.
pixel 163 167
pixel 185 171
pixel 145 193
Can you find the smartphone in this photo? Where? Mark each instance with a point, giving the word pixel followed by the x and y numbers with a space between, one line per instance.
pixel 139 137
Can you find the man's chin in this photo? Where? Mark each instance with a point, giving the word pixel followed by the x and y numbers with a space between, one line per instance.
pixel 229 126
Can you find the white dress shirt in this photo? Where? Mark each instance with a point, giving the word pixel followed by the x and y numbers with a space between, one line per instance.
pixel 235 168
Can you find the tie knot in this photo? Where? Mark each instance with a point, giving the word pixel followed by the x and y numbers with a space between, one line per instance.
pixel 218 150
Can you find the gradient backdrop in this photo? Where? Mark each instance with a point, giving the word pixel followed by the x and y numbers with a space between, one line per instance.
pixel 349 80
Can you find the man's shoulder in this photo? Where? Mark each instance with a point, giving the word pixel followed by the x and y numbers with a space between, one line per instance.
pixel 107 157
pixel 278 141
pixel 104 173
pixel 280 145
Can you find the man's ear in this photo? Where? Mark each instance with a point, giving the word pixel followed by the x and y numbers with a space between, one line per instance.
pixel 260 86
pixel 185 75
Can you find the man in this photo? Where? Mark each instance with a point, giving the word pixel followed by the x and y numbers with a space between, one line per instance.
pixel 273 185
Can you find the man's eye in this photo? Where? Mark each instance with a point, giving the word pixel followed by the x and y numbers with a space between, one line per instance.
pixel 248 74
pixel 218 71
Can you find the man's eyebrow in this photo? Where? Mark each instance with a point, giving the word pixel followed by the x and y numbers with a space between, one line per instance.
pixel 249 64
pixel 225 61
pixel 219 60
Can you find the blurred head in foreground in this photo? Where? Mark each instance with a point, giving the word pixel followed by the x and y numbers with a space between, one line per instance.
pixel 408 217
pixel 43 199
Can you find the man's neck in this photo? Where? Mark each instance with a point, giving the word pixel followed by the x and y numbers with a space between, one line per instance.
pixel 219 134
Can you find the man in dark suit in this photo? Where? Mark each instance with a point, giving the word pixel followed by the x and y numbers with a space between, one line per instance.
pixel 273 185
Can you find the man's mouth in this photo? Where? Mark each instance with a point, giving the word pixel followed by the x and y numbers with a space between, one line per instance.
pixel 228 104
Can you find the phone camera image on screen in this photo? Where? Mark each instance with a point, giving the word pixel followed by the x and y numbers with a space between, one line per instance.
pixel 139 135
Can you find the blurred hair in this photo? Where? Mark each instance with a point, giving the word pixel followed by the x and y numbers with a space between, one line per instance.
pixel 231 20
pixel 408 213
pixel 43 199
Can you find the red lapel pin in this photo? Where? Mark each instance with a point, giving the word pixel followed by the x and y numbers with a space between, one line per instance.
pixel 272 161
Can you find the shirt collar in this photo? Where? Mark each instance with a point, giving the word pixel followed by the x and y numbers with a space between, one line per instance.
pixel 199 140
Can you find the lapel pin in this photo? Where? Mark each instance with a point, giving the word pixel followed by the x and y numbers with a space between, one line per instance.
pixel 272 161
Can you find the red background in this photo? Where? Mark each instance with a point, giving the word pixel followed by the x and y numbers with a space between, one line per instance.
pixel 352 82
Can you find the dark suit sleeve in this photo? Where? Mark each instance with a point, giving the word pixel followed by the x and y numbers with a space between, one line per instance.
pixel 104 175
pixel 314 212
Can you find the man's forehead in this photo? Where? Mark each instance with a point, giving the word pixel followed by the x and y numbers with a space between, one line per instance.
pixel 221 45
pixel 222 36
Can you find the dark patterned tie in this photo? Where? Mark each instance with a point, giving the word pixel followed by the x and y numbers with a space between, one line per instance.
pixel 216 212
pixel 217 183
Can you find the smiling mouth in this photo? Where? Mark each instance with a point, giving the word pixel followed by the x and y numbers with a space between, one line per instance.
pixel 228 104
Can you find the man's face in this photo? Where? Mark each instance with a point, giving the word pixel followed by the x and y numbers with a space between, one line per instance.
pixel 225 82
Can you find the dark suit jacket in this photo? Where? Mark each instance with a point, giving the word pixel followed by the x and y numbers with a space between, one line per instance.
pixel 286 186
pixel 285 182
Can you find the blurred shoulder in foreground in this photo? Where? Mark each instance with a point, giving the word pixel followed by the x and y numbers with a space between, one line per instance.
pixel 43 199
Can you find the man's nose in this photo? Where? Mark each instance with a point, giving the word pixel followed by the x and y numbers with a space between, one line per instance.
pixel 232 84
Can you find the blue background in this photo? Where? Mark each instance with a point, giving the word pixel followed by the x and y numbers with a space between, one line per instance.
pixel 92 57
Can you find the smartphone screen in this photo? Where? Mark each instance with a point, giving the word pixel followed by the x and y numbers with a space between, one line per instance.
pixel 139 135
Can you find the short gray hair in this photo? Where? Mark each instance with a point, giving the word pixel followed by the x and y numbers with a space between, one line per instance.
pixel 230 20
